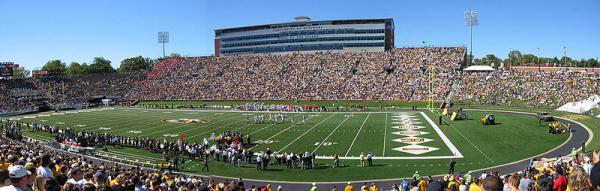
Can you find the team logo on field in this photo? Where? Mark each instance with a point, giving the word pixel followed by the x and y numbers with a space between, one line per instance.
pixel 184 121
pixel 415 149
pixel 412 140
pixel 410 133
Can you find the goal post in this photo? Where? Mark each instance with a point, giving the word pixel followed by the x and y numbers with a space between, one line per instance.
pixel 431 100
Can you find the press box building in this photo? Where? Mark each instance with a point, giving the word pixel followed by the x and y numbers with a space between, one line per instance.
pixel 303 35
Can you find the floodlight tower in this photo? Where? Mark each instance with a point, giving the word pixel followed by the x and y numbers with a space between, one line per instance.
pixel 163 37
pixel 471 19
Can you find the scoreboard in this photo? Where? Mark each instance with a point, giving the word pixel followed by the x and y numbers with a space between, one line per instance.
pixel 7 68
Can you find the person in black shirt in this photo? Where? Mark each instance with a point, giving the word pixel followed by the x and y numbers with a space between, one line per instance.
pixel 492 183
pixel 434 185
pixel 62 177
pixel 451 165
pixel 414 183
pixel 595 176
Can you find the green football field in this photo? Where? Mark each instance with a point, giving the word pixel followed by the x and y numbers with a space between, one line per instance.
pixel 402 141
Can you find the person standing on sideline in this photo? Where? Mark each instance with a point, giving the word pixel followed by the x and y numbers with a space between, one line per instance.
pixel 370 159
pixel 362 159
pixel 451 165
pixel 336 161
pixel 205 163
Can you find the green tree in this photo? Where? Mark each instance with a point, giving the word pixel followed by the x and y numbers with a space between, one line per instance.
pixel 529 59
pixel 555 61
pixel 592 63
pixel 76 68
pixel 469 60
pixel 175 55
pixel 566 61
pixel 514 58
pixel 134 64
pixel 479 61
pixel 21 72
pixel 492 59
pixel 100 65
pixel 55 66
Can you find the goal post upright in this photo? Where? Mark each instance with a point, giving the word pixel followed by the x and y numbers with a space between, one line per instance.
pixel 431 105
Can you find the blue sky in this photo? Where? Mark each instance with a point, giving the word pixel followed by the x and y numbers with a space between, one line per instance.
pixel 33 32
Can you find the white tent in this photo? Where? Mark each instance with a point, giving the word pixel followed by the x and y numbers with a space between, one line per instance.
pixel 581 106
pixel 479 68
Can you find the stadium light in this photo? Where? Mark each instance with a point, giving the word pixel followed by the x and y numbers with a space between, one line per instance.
pixel 565 57
pixel 539 66
pixel 163 37
pixel 471 19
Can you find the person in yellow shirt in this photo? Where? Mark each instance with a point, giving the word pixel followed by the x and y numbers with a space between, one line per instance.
pixel 373 187
pixel 452 184
pixel 4 164
pixel 422 184
pixel 475 185
pixel 349 187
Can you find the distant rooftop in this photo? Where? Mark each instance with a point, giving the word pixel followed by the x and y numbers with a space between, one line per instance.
pixel 303 21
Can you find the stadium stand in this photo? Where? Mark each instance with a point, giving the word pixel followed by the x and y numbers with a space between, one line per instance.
pixel 400 74
pixel 532 88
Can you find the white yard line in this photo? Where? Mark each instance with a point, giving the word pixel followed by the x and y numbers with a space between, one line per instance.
pixel 321 143
pixel 393 158
pixel 361 126
pixel 280 132
pixel 261 129
pixel 212 130
pixel 305 132
pixel 384 134
pixel 477 148
pixel 447 141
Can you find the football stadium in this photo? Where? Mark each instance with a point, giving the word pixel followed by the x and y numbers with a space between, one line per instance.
pixel 331 104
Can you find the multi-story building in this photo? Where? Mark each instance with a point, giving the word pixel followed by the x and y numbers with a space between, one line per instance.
pixel 303 35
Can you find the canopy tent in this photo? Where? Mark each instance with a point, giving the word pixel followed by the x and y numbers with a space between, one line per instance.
pixel 581 106
pixel 479 68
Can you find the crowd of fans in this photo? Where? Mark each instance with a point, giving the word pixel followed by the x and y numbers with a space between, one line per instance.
pixel 532 88
pixel 18 95
pixel 82 88
pixel 399 74
pixel 29 166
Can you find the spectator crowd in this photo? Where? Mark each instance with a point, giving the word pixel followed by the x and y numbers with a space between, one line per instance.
pixel 401 74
